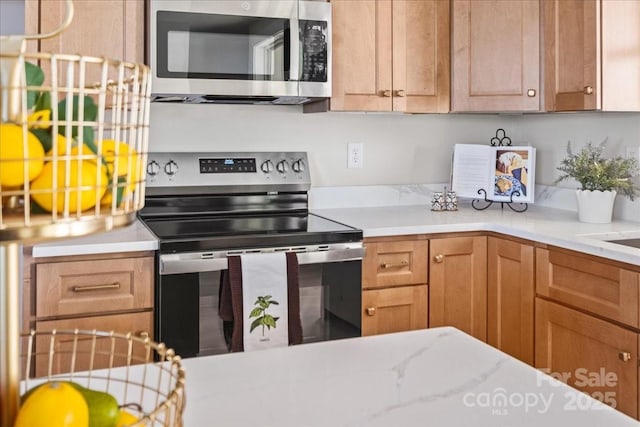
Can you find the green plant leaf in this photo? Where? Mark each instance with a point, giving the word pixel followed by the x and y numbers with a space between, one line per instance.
pixel 43 102
pixel 255 312
pixel 269 321
pixel 274 302
pixel 264 304
pixel 34 77
pixel 257 322
pixel 90 111
pixel 44 135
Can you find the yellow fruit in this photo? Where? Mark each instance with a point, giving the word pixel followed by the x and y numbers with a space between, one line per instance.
pixel 39 120
pixel 54 404
pixel 125 156
pixel 12 155
pixel 126 419
pixel 88 180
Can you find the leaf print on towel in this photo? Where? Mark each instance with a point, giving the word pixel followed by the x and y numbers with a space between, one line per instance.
pixel 260 312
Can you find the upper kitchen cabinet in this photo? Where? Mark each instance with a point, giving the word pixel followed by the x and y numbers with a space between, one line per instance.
pixel 112 29
pixel 592 55
pixel 391 55
pixel 496 55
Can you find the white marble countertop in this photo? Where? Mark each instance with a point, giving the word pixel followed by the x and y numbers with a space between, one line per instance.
pixel 132 238
pixel 434 377
pixel 541 224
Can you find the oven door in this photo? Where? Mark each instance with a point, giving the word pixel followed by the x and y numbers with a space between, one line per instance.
pixel 188 288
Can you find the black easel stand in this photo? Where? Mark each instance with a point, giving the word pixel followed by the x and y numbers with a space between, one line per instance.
pixel 511 204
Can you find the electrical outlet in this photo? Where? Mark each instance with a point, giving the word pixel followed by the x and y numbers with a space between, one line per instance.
pixel 355 152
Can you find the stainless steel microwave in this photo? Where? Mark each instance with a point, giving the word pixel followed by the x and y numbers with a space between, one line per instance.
pixel 266 51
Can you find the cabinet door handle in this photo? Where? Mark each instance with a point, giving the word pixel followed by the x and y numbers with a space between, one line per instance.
pixel 625 356
pixel 386 93
pixel 438 258
pixel 531 93
pixel 401 93
pixel 371 311
pixel 403 263
pixel 588 90
pixel 90 288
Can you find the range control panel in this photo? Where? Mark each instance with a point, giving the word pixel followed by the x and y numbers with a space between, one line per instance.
pixel 229 169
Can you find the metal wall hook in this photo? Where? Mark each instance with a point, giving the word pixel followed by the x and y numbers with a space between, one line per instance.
pixel 63 26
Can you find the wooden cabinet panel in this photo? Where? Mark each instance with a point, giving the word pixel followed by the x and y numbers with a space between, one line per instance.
pixel 421 66
pixel 394 309
pixel 390 55
pixel 136 323
pixel 458 284
pixel 510 298
pixel 394 263
pixel 495 61
pixel 97 286
pixel 577 346
pixel 589 284
pixel 592 55
pixel 361 34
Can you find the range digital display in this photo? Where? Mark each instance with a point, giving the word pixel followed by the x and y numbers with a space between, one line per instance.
pixel 228 165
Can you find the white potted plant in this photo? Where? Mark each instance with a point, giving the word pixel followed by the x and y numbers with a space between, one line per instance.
pixel 600 179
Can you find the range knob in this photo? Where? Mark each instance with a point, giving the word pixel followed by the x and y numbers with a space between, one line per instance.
pixel 153 168
pixel 266 166
pixel 282 166
pixel 170 168
pixel 298 166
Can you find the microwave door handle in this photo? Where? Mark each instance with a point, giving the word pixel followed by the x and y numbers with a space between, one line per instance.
pixel 295 71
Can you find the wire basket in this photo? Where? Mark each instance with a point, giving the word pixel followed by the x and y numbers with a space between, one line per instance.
pixel 146 378
pixel 73 145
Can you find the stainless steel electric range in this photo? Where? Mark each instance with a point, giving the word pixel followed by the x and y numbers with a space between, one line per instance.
pixel 203 207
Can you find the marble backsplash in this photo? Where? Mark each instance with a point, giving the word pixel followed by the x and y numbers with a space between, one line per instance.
pixel 421 194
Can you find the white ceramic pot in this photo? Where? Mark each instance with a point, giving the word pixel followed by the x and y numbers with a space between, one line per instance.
pixel 595 207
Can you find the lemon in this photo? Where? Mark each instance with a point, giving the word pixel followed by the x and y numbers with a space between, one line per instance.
pixel 126 155
pixel 54 404
pixel 12 155
pixel 39 120
pixel 87 185
pixel 126 419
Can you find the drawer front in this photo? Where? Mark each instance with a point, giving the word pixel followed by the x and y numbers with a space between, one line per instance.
pixel 583 282
pixel 395 263
pixel 394 309
pixel 62 362
pixel 97 286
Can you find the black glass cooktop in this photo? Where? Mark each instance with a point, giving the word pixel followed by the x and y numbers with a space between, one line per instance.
pixel 634 243
pixel 247 231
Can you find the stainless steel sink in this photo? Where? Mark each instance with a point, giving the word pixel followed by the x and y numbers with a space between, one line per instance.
pixel 634 243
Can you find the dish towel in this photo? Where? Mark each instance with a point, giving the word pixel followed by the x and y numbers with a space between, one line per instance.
pixel 260 301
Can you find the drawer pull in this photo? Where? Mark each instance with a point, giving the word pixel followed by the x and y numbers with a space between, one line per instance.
pixel 403 263
pixel 90 288
pixel 371 311
pixel 438 258
pixel 625 356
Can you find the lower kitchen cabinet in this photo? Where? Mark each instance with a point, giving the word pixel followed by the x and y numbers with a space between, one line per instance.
pixel 458 284
pixel 109 292
pixel 394 283
pixel 394 309
pixel 510 297
pixel 590 354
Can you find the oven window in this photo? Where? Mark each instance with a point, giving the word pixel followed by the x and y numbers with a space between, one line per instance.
pixel 330 306
pixel 211 46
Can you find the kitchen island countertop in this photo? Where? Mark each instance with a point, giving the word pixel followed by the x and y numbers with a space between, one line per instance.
pixel 550 226
pixel 434 377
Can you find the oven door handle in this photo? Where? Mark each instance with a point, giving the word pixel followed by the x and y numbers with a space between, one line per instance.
pixel 176 264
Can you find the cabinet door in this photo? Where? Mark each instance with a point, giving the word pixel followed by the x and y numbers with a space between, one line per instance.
pixel 590 354
pixel 394 263
pixel 496 62
pixel 394 309
pixel 63 345
pixel 421 66
pixel 510 296
pixel 112 29
pixel 571 55
pixel 458 284
pixel 361 77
